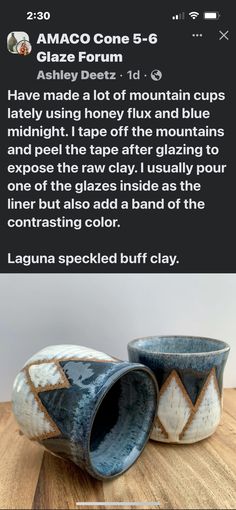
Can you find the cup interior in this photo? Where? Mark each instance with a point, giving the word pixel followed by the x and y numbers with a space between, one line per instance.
pixel 178 345
pixel 122 423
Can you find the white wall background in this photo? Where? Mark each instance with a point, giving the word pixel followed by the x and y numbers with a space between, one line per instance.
pixel 107 311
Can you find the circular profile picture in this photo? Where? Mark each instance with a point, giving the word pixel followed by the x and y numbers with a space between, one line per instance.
pixel 18 43
pixel 23 48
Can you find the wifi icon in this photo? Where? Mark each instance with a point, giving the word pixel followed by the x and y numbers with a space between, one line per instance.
pixel 193 14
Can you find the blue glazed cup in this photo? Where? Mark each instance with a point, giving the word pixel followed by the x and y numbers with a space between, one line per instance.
pixel 86 406
pixel 189 371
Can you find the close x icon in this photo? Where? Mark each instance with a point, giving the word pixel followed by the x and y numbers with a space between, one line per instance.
pixel 224 35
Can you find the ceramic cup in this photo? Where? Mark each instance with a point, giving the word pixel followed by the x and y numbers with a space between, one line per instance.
pixel 189 372
pixel 86 406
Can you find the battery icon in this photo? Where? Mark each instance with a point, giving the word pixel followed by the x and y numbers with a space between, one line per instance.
pixel 211 15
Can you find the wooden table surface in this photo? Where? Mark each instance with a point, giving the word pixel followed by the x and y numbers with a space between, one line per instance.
pixel 199 476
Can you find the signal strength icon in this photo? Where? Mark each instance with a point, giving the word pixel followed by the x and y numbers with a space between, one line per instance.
pixel 178 17
pixel 193 14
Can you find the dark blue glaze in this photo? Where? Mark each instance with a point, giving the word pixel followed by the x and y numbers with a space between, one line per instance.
pixel 105 416
pixel 192 357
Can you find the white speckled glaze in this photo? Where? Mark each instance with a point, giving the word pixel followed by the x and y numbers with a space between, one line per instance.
pixel 45 374
pixel 32 420
pixel 67 352
pixel 181 421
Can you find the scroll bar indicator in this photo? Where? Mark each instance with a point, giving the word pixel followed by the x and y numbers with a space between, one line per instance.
pixel 212 16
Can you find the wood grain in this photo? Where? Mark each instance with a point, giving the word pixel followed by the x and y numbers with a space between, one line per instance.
pixel 200 476
pixel 20 464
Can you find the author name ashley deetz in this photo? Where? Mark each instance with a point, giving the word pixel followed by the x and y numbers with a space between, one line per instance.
pixel 75 76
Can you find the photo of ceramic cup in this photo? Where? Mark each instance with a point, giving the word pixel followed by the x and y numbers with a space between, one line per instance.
pixel 189 371
pixel 86 406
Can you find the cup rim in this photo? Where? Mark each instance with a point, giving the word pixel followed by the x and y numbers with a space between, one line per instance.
pixel 132 345
pixel 123 371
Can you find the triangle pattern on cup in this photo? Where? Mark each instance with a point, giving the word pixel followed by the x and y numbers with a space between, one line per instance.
pixel 178 420
pixel 42 373
pixel 174 407
pixel 206 413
